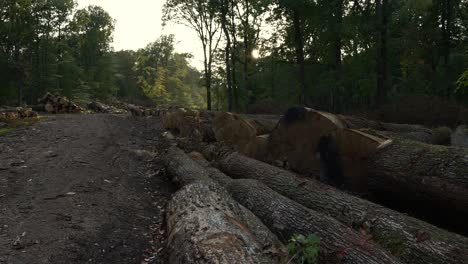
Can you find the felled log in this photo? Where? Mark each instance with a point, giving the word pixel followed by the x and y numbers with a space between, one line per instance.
pixel 55 103
pixel 410 239
pixel 13 113
pixel 286 218
pixel 422 176
pixel 205 224
pixel 257 148
pixel 233 130
pixel 405 131
pixel 264 124
pixel 137 111
pixel 338 243
pixel 99 107
pixel 296 137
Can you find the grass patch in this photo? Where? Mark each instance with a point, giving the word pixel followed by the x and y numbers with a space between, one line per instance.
pixel 14 124
pixel 4 131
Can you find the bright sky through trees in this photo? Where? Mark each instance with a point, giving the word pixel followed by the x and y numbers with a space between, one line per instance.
pixel 138 23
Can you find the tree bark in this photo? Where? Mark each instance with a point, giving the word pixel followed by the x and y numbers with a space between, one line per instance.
pixel 206 225
pixel 338 243
pixel 409 239
pixel 393 130
pixel 286 218
pixel 425 178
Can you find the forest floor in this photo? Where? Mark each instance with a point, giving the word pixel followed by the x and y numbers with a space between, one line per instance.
pixel 83 189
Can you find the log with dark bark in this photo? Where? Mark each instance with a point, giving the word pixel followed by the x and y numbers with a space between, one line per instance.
pixel 55 103
pixel 410 239
pixel 338 243
pixel 263 124
pixel 405 131
pixel 286 217
pixel 233 130
pixel 424 177
pixel 207 226
pixel 13 113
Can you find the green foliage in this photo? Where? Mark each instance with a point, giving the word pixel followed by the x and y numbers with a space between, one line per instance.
pixel 304 249
pixel 5 130
pixel 166 77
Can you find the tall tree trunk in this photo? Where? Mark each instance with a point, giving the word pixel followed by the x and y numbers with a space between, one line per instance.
pixel 207 65
pixel 225 7
pixel 382 58
pixel 446 25
pixel 338 41
pixel 19 75
pixel 299 41
pixel 247 54
pixel 233 59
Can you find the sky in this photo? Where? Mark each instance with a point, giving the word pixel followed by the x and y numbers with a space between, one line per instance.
pixel 138 22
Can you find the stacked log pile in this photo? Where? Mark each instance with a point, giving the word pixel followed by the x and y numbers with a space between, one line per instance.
pixel 279 214
pixel 135 110
pixel 388 161
pixel 206 225
pixel 55 103
pixel 13 113
pixel 418 241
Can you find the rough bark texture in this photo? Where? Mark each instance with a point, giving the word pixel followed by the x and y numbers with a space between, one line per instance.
pixel 413 132
pixel 207 226
pixel 282 226
pixel 183 169
pixel 410 239
pixel 427 176
pixel 285 217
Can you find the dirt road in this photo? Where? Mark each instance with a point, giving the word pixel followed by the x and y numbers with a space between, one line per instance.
pixel 83 189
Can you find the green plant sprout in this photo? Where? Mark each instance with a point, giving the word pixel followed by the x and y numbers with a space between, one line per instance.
pixel 303 249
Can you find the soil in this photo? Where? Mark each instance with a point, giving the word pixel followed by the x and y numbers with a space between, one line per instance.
pixel 83 189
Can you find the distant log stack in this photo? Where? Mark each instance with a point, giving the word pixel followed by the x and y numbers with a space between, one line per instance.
pixel 13 113
pixel 55 103
pixel 99 107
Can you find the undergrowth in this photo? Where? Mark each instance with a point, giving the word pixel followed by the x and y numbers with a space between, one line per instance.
pixel 303 250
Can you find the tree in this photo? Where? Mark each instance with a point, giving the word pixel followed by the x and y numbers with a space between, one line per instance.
pixel 165 77
pixel 382 11
pixel 91 35
pixel 200 16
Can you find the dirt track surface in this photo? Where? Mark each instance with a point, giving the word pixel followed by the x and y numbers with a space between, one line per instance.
pixel 83 189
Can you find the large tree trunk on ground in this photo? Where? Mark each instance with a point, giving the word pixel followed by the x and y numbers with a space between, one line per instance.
pixel 338 243
pixel 207 226
pixel 286 217
pixel 423 177
pixel 417 241
pixel 408 131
